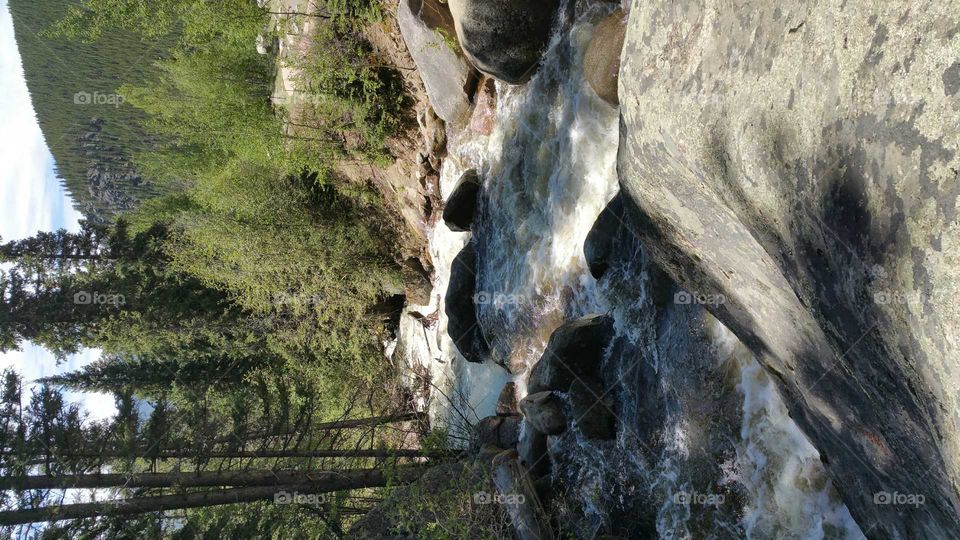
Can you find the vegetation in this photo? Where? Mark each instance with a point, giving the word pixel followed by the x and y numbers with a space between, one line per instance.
pixel 240 309
pixel 73 86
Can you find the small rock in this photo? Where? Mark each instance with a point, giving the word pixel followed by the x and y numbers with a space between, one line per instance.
pixel 462 204
pixel 434 133
pixel 507 402
pixel 575 350
pixel 601 62
pixel 418 286
pixel 484 107
pixel 544 412
pixel 502 431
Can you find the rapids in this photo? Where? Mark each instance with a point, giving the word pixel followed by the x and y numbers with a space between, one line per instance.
pixel 705 448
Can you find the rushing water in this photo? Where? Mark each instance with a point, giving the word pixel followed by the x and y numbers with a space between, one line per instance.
pixel 704 448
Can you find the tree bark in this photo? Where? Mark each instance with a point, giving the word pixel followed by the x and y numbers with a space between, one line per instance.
pixel 246 478
pixel 324 482
pixel 239 454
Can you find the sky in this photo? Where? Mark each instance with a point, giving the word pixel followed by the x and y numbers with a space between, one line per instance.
pixel 31 200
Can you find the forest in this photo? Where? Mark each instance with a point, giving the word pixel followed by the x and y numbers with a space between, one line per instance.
pixel 240 307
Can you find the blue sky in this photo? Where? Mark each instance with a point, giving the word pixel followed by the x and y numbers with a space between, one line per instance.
pixel 31 199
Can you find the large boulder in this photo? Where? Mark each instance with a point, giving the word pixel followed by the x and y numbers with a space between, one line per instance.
pixel 462 204
pixel 601 62
pixel 462 324
pixel 428 30
pixel 505 38
pixel 544 412
pixel 801 159
pixel 575 351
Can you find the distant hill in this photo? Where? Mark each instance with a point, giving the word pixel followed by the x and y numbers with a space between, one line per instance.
pixel 91 133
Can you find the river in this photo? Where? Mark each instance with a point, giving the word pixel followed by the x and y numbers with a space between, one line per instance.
pixel 705 448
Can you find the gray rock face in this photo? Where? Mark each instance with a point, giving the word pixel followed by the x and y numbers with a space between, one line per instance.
pixel 504 38
pixel 462 204
pixel 575 351
pixel 544 412
pixel 601 63
pixel 428 30
pixel 462 324
pixel 801 159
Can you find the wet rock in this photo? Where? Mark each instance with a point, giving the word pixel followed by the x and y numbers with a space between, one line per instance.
pixel 507 402
pixel 462 204
pixel 504 38
pixel 520 499
pixel 532 451
pixel 592 408
pixel 600 243
pixel 501 431
pixel 484 107
pixel 575 350
pixel 825 218
pixel 428 30
pixel 462 324
pixel 601 62
pixel 544 412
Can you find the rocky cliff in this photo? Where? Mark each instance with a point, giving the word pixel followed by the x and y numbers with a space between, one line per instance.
pixel 800 158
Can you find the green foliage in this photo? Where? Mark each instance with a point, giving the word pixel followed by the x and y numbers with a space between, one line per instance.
pixel 352 95
pixel 445 505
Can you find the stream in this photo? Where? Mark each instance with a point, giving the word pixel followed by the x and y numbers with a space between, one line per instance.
pixel 704 447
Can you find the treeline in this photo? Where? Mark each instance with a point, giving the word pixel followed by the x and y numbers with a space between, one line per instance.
pixel 240 316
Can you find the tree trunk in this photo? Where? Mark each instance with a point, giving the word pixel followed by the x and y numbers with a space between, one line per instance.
pixel 239 454
pixel 332 426
pixel 318 483
pixel 176 479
